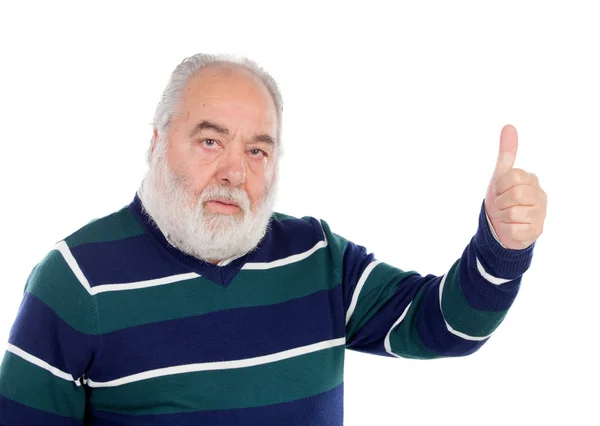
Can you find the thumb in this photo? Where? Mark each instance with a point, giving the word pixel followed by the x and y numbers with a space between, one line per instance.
pixel 507 154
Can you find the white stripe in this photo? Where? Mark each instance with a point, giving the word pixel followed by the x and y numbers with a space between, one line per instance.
pixel 220 365
pixel 450 329
pixel 287 260
pixel 66 252
pixel 42 364
pixel 388 346
pixel 359 286
pixel 143 284
pixel 489 277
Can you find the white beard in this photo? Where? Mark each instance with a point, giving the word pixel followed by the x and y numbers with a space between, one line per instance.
pixel 189 226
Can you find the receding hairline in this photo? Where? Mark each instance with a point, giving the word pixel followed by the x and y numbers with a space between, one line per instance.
pixel 217 70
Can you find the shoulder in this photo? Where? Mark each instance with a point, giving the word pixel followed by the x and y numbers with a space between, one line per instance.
pixel 65 269
pixel 303 232
pixel 57 260
pixel 290 225
pixel 118 225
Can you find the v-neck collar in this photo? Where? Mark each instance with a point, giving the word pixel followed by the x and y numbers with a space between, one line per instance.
pixel 222 273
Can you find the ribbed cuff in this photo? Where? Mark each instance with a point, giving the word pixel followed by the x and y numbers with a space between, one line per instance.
pixel 497 260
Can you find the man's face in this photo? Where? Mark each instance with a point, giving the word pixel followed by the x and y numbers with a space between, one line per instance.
pixel 223 135
pixel 212 179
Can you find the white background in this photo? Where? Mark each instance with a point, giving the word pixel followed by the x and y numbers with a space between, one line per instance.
pixel 392 115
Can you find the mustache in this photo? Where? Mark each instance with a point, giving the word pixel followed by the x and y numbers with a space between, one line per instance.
pixel 233 195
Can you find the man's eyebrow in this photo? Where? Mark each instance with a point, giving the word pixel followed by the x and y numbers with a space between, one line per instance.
pixel 211 125
pixel 264 138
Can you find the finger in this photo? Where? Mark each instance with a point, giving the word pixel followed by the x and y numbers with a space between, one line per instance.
pixel 518 195
pixel 517 215
pixel 507 153
pixel 512 178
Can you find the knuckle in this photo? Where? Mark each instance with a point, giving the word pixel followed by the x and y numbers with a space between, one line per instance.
pixel 534 178
pixel 520 174
pixel 519 193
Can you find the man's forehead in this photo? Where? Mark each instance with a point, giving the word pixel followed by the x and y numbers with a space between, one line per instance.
pixel 227 84
pixel 219 94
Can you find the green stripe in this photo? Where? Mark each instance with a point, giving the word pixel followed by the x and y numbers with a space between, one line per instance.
pixel 37 388
pixel 460 315
pixel 282 217
pixel 380 287
pixel 404 338
pixel 273 383
pixel 197 296
pixel 116 226
pixel 53 282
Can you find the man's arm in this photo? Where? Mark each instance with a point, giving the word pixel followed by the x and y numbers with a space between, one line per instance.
pixel 51 344
pixel 393 312
pixel 397 313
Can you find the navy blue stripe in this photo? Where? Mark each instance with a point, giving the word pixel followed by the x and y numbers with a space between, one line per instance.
pixel 40 332
pixel 432 327
pixel 479 292
pixel 371 336
pixel 13 413
pixel 356 260
pixel 286 238
pixel 127 260
pixel 325 409
pixel 221 336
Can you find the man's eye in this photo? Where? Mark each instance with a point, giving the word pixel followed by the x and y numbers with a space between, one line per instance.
pixel 210 142
pixel 256 152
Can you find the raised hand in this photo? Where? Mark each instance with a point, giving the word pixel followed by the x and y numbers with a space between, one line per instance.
pixel 514 202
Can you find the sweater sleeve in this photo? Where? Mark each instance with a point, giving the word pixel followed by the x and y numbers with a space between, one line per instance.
pixel 51 343
pixel 398 313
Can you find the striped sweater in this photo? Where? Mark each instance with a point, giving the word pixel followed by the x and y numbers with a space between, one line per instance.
pixel 118 327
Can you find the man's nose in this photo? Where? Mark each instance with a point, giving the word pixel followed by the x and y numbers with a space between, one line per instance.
pixel 232 168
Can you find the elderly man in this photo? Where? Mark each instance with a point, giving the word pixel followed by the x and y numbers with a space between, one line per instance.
pixel 196 304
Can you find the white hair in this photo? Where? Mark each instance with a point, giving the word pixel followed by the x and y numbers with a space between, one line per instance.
pixel 187 69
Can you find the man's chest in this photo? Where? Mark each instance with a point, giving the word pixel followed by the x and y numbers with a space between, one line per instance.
pixel 192 345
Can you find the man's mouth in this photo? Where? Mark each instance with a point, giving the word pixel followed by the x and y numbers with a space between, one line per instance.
pixel 224 201
pixel 223 206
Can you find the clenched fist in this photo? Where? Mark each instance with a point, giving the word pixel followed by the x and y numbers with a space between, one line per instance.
pixel 515 203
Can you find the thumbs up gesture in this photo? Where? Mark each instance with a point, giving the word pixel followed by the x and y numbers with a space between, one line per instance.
pixel 515 203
